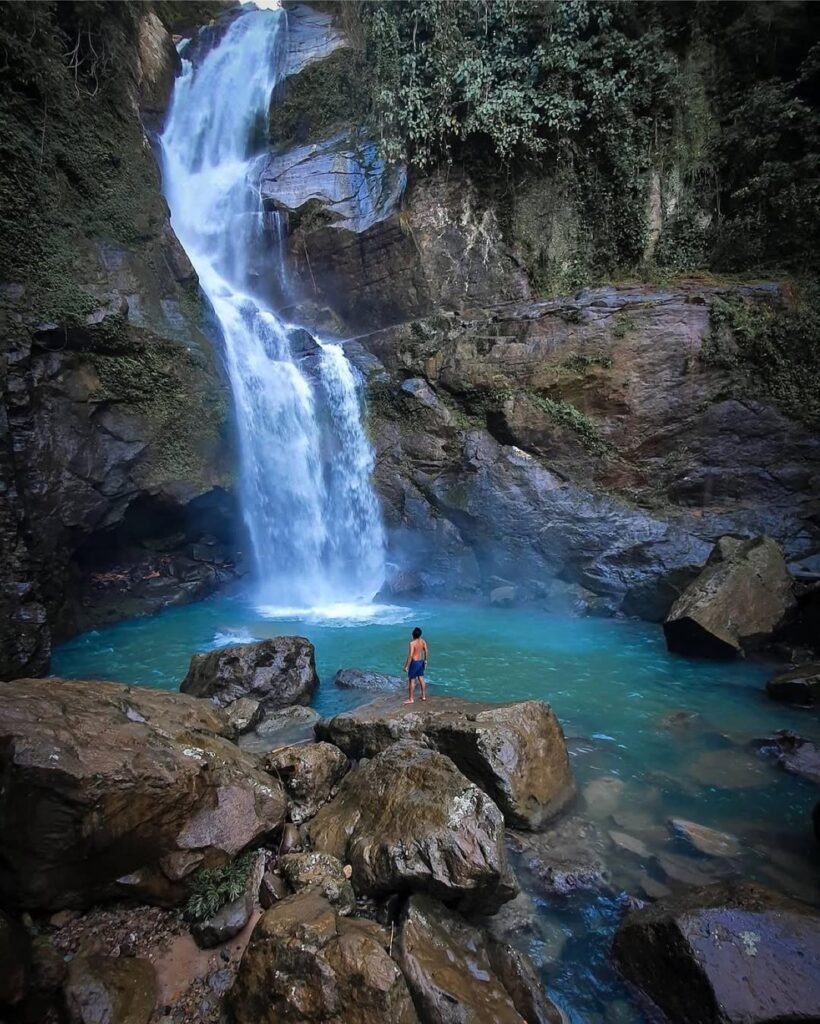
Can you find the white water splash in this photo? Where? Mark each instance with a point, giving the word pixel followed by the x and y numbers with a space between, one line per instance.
pixel 310 509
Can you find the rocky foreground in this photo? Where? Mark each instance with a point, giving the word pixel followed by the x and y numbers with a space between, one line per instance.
pixel 166 857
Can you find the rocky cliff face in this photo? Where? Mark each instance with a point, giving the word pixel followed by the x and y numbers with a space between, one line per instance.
pixel 587 449
pixel 114 411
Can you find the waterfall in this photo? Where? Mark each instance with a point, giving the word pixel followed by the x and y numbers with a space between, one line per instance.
pixel 305 460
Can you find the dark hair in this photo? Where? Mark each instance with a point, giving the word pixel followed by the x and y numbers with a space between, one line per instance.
pixel 416 633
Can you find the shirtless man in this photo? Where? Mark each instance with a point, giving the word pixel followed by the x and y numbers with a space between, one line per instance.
pixel 414 665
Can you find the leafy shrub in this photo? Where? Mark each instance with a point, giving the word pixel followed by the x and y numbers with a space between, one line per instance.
pixel 212 888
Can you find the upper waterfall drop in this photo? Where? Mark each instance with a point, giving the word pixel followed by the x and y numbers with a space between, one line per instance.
pixel 306 495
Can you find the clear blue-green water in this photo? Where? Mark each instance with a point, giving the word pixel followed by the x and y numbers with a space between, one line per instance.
pixel 611 683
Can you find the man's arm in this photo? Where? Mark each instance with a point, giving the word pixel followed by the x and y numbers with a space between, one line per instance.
pixel 407 659
pixel 426 653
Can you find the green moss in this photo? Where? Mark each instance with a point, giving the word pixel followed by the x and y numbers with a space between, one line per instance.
pixel 76 167
pixel 772 352
pixel 185 409
pixel 327 95
pixel 578 364
pixel 624 326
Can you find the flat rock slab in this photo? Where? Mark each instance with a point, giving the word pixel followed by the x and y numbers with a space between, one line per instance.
pixel 275 672
pixel 108 789
pixel 280 728
pixel 726 954
pixel 409 821
pixel 705 840
pixel 306 963
pixel 364 679
pixel 515 752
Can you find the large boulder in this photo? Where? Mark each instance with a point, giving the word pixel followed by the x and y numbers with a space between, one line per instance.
pixel 515 752
pixel 108 789
pixel 305 963
pixel 409 821
pixel 109 990
pixel 794 753
pixel 310 774
pixel 725 954
pixel 743 594
pixel 275 672
pixel 454 974
pixel 366 679
pixel 799 685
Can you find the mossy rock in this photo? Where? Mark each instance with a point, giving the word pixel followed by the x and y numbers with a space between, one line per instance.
pixel 325 96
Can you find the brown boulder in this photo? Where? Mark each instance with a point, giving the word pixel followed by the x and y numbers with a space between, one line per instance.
pixel 322 873
pixel 453 976
pixel 725 954
pixel 101 785
pixel 275 672
pixel 407 821
pixel 799 685
pixel 515 752
pixel 243 714
pixel 109 990
pixel 309 773
pixel 306 964
pixel 743 594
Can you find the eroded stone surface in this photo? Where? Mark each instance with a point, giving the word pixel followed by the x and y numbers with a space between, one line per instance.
pixel 102 782
pixel 310 773
pixel 110 990
pixel 739 599
pixel 515 752
pixel 305 963
pixel 726 954
pixel 275 672
pixel 409 821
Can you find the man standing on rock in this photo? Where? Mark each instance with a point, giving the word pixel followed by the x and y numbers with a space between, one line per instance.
pixel 415 664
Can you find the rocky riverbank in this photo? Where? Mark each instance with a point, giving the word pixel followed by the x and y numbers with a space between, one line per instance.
pixel 159 870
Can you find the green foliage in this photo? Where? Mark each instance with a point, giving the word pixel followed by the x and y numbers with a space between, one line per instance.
pixel 578 363
pixel 774 351
pixel 566 415
pixel 649 137
pixel 75 167
pixel 212 888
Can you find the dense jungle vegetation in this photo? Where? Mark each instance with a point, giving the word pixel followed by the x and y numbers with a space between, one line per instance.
pixel 706 111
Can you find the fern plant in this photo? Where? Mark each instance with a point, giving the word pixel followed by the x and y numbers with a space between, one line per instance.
pixel 213 888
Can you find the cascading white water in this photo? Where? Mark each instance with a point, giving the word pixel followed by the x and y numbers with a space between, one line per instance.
pixel 306 463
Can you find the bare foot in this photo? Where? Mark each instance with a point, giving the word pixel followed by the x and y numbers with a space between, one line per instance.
pixel 424 698
pixel 411 701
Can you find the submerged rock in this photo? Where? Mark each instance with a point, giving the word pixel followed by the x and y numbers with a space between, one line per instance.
pixel 799 685
pixel 795 754
pixel 306 963
pixel 705 840
pixel 566 859
pixel 726 954
pixel 515 752
pixel 408 821
pixel 309 773
pixel 275 672
pixel 740 598
pixel 102 782
pixel 365 679
pixel 110 990
pixel 453 975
